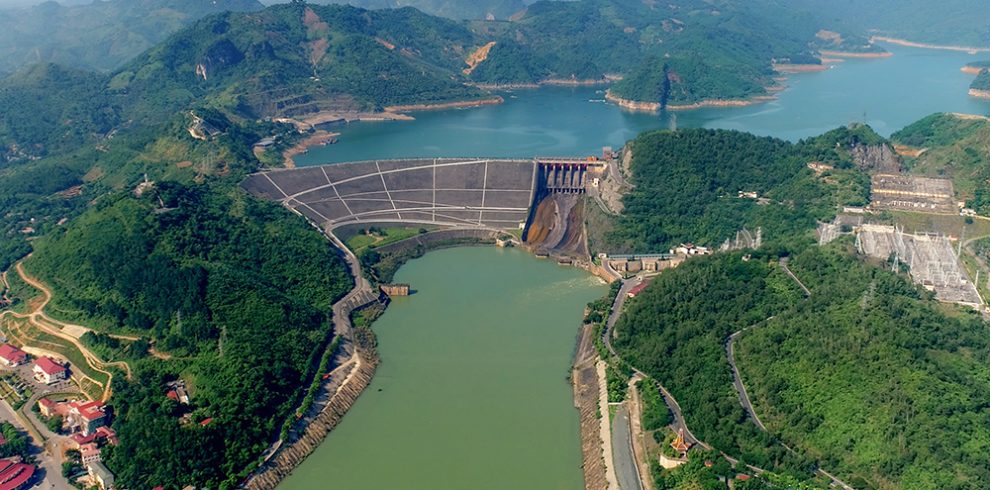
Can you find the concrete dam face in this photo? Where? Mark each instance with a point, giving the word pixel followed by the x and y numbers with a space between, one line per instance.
pixel 465 192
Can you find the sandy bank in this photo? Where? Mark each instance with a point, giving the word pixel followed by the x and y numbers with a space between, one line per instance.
pixel 972 70
pixel 849 54
pixel 638 106
pixel 912 44
pixel 969 117
pixel 796 68
pixel 398 109
pixel 550 82
pixel 980 94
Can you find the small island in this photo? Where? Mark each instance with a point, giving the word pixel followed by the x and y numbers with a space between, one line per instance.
pixel 981 86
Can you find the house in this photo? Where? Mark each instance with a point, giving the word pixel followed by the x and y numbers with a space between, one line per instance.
pixel 89 453
pixel 100 475
pixel 47 371
pixel 691 249
pixel 47 407
pixel 11 356
pixel 15 474
pixel 86 417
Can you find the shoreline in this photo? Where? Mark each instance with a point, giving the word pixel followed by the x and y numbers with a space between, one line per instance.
pixel 320 137
pixel 972 70
pixel 979 94
pixel 913 44
pixel 439 106
pixel 851 54
pixel 637 106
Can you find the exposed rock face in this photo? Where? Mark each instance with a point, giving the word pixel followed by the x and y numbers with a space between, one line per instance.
pixel 219 55
pixel 876 158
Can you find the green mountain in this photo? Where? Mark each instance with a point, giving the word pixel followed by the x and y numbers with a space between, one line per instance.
pixel 99 35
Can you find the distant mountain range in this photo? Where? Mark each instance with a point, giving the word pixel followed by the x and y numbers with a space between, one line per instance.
pixel 99 35
pixel 453 9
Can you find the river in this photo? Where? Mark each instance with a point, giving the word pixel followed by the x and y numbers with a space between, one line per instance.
pixel 472 391
pixel 887 93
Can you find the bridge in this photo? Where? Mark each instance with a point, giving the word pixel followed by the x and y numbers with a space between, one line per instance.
pixel 459 192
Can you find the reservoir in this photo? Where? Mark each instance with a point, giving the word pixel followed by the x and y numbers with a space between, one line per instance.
pixel 472 391
pixel 887 93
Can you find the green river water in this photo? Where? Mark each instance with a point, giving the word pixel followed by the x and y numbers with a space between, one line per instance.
pixel 472 391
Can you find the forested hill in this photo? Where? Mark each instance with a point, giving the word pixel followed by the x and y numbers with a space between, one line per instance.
pixel 97 35
pixel 868 378
pixel 982 81
pixel 692 186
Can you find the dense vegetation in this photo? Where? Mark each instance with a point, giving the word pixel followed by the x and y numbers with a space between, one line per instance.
pixel 238 289
pixel 688 186
pixel 955 147
pixel 98 35
pixel 676 331
pixel 982 81
pixel 814 377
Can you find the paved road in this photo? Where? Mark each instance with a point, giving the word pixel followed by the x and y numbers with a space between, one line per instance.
pixel 675 408
pixel 730 350
pixel 622 451
pixel 50 464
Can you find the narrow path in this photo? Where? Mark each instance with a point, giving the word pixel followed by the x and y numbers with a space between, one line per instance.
pixel 730 350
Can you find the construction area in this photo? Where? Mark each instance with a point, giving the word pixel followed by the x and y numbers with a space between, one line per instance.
pixel 910 193
pixel 932 261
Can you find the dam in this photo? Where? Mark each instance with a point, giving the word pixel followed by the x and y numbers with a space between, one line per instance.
pixel 497 194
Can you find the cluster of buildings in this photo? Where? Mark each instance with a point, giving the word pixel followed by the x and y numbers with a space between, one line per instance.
pixel 46 370
pixel 87 420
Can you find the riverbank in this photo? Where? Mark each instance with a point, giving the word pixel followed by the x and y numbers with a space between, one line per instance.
pixel 789 68
pixel 550 82
pixel 912 44
pixel 638 106
pixel 854 54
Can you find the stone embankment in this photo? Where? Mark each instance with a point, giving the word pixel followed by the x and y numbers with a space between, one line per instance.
pixel 586 398
pixel 292 453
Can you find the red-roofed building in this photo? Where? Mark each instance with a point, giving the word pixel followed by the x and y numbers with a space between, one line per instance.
pixel 206 421
pixel 48 371
pixel 102 435
pixel 638 289
pixel 11 356
pixel 86 416
pixel 15 475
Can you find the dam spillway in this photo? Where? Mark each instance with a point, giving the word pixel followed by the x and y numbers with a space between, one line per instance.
pixel 490 193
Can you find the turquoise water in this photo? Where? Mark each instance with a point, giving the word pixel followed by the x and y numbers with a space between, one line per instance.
pixel 472 392
pixel 887 93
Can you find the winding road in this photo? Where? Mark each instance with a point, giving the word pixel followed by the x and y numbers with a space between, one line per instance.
pixel 38 318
